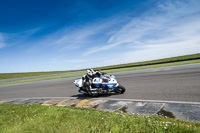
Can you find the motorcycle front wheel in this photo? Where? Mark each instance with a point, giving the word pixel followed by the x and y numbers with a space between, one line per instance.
pixel 121 89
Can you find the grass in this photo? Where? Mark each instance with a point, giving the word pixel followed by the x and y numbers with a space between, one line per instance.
pixel 29 74
pixel 43 78
pixel 107 71
pixel 154 66
pixel 37 119
pixel 20 75
pixel 154 61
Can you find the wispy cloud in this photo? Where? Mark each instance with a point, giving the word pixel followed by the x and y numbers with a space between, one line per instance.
pixel 84 35
pixel 71 39
pixel 18 38
pixel 138 32
pixel 75 61
pixel 97 49
pixel 170 26
pixel 59 60
pixel 2 41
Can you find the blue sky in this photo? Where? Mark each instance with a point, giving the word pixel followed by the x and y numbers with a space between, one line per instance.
pixel 49 35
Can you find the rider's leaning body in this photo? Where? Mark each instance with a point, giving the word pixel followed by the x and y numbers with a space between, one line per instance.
pixel 89 76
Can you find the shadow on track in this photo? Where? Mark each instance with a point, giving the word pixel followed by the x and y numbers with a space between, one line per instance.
pixel 84 96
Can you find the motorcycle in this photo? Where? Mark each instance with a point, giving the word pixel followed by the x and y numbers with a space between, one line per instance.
pixel 101 86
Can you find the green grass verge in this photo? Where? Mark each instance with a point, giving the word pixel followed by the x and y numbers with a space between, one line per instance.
pixel 43 78
pixel 154 61
pixel 154 66
pixel 107 71
pixel 29 74
pixel 37 119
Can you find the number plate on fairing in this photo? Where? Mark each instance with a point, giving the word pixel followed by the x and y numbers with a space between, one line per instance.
pixel 97 82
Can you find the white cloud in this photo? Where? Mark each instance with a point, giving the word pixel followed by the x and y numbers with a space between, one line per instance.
pixel 157 51
pixel 85 35
pixel 72 39
pixel 2 41
pixel 169 29
pixel 58 60
pixel 75 61
pixel 97 49
pixel 2 44
pixel 19 38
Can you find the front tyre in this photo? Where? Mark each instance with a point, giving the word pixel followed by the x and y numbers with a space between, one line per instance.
pixel 121 89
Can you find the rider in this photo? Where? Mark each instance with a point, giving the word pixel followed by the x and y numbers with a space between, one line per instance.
pixel 89 76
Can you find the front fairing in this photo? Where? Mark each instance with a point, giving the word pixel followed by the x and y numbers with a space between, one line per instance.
pixel 78 83
pixel 112 82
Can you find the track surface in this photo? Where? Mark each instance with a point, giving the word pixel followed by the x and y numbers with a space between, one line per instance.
pixel 178 83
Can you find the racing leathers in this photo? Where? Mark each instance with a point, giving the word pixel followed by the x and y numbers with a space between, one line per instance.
pixel 87 79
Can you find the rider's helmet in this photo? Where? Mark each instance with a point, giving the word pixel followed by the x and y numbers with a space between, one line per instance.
pixel 90 72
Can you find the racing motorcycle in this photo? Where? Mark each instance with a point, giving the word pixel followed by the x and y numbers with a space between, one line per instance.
pixel 101 86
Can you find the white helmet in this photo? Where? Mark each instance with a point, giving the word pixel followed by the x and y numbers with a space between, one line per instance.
pixel 90 72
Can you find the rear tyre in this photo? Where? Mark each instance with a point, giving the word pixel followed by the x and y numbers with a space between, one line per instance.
pixel 121 89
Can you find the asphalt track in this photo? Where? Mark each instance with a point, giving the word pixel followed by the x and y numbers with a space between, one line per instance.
pixel 177 83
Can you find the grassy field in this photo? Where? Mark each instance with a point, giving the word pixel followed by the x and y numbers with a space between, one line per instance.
pixel 20 75
pixel 29 74
pixel 43 78
pixel 107 71
pixel 37 119
pixel 154 61
pixel 153 66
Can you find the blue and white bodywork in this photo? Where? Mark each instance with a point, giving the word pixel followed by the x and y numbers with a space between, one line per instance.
pixel 112 83
pixel 78 83
pixel 101 86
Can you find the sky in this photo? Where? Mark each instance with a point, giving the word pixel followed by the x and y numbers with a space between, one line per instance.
pixel 56 35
